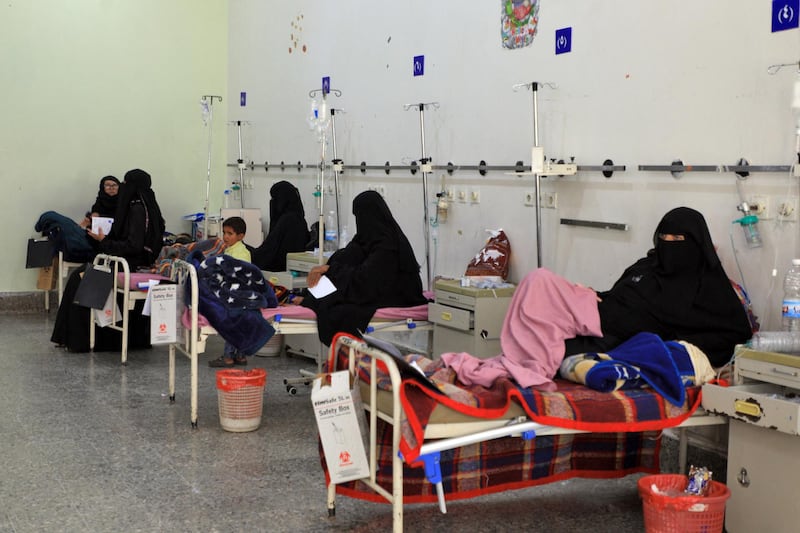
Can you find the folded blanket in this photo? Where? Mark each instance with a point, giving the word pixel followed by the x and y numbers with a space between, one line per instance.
pixel 643 360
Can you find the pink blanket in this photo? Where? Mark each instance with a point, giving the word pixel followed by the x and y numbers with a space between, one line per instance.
pixel 545 310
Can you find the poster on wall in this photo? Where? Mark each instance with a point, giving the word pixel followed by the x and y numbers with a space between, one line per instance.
pixel 519 19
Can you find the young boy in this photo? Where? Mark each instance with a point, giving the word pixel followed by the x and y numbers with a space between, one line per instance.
pixel 233 231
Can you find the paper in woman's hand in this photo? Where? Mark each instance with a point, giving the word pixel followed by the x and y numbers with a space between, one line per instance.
pixel 101 223
pixel 323 288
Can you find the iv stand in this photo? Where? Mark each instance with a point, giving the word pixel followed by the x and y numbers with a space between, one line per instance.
pixel 240 164
pixel 210 98
pixel 337 164
pixel 425 166
pixel 321 180
pixel 536 176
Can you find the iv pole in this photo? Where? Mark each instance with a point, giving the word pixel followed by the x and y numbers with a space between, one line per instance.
pixel 425 163
pixel 320 192
pixel 240 163
pixel 210 99
pixel 337 166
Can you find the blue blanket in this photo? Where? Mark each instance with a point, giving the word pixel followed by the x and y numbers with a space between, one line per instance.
pixel 642 360
pixel 67 236
pixel 231 294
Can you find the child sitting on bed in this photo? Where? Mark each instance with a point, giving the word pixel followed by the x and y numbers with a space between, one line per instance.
pixel 233 231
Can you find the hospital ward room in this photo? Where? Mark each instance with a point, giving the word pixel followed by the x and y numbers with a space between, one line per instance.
pixel 509 265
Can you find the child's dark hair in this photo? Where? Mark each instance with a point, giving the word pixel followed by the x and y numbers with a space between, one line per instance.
pixel 237 224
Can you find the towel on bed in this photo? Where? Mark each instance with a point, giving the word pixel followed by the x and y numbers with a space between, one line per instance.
pixel 230 295
pixel 642 360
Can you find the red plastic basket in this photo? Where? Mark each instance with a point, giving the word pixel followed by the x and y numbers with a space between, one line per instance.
pixel 681 513
pixel 241 396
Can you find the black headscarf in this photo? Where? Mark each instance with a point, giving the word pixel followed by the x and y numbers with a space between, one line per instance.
pixel 679 291
pixel 135 188
pixel 288 231
pixel 105 205
pixel 284 199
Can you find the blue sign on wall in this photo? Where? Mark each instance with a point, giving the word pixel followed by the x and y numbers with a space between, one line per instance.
pixel 563 40
pixel 242 99
pixel 419 65
pixel 326 85
pixel 785 14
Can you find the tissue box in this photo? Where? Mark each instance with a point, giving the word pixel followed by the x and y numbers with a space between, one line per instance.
pixel 337 421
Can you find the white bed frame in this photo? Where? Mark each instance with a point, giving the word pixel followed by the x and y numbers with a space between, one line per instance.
pixel 193 340
pixel 440 437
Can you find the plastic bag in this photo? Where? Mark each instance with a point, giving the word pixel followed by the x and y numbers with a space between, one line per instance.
pixel 494 257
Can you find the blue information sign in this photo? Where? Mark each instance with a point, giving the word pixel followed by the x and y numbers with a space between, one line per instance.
pixel 785 14
pixel 563 40
pixel 326 85
pixel 242 99
pixel 419 65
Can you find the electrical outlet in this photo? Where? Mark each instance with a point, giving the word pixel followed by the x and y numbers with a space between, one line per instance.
pixel 461 196
pixel 786 209
pixel 451 195
pixel 475 196
pixel 759 205
pixel 530 198
pixel 382 190
pixel 549 200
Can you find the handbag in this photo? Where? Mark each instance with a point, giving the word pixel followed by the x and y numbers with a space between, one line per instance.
pixel 40 253
pixel 95 287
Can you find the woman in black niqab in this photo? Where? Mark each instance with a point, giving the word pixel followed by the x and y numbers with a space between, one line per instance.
pixel 679 291
pixel 288 231
pixel 105 205
pixel 376 269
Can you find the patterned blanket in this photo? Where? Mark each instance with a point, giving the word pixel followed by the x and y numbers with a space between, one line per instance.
pixel 625 436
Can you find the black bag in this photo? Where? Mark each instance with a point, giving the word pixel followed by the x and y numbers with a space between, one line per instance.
pixel 40 253
pixel 94 287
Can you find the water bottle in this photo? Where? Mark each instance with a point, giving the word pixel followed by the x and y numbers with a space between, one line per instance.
pixel 226 199
pixel 344 236
pixel 236 192
pixel 776 341
pixel 790 310
pixel 331 237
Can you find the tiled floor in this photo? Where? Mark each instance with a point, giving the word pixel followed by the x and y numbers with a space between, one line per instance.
pixel 89 445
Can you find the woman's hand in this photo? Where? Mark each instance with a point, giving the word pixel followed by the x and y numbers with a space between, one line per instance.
pixel 96 236
pixel 316 273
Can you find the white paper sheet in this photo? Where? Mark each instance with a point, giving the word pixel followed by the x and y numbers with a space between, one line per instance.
pixel 323 288
pixel 102 223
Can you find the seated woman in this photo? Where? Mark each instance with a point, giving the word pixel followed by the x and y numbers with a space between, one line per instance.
pixel 288 231
pixel 679 291
pixel 70 237
pixel 377 269
pixel 136 235
pixel 106 203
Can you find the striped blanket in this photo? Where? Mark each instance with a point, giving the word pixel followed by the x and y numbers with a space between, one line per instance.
pixel 625 434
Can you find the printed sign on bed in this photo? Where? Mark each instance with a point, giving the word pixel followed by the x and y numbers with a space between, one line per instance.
pixel 164 313
pixel 337 422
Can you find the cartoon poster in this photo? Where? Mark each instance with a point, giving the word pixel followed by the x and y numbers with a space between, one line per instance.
pixel 518 21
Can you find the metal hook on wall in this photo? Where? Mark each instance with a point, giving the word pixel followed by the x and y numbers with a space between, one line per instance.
pixel 210 98
pixel 314 92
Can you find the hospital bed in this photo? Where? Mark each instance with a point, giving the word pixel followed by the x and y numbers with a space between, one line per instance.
pixel 465 448
pixel 290 320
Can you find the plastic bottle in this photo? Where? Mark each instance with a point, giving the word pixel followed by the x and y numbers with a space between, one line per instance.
pixel 236 192
pixel 776 341
pixel 344 236
pixel 226 199
pixel 331 237
pixel 790 310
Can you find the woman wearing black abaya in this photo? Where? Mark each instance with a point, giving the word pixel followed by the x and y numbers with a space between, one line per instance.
pixel 288 231
pixel 136 235
pixel 377 269
pixel 105 205
pixel 678 291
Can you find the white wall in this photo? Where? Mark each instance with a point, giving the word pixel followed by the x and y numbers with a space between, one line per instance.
pixel 96 87
pixel 645 83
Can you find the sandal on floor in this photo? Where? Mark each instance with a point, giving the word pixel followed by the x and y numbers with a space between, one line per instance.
pixel 220 362
pixel 240 361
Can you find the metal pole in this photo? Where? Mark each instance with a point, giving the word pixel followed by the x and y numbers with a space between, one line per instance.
pixel 241 164
pixel 210 98
pixel 426 220
pixel 536 176
pixel 335 172
pixel 321 201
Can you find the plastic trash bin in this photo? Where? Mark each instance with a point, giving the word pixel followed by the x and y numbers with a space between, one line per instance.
pixel 241 398
pixel 667 509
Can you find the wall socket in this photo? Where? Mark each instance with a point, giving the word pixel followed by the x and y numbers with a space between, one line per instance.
pixel 786 209
pixel 759 205
pixel 549 199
